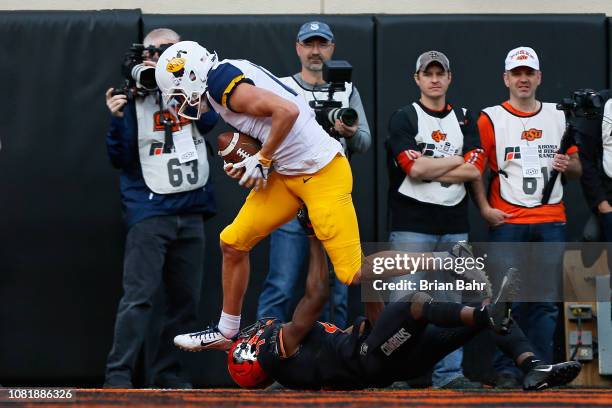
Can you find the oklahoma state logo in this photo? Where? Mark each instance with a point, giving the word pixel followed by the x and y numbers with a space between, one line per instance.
pixel 158 123
pixel 438 136
pixel 531 135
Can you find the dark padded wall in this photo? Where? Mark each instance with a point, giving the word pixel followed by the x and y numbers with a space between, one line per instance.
pixel 572 51
pixel 270 42
pixel 60 230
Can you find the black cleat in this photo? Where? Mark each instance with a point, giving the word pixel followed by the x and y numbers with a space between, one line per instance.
pixel 500 319
pixel 546 376
pixel 462 249
pixel 500 310
pixel 304 220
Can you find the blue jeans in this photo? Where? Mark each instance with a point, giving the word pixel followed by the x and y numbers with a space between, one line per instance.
pixel 289 251
pixel 537 319
pixel 449 368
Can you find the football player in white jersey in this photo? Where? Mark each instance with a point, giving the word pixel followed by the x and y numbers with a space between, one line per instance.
pixel 309 167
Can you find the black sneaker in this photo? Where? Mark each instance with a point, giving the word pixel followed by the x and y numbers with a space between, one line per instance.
pixel 460 383
pixel 546 376
pixel 507 380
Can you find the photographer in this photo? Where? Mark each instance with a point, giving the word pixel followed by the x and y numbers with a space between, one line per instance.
pixel 165 201
pixel 289 244
pixel 596 157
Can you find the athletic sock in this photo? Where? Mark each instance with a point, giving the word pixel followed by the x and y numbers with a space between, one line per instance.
pixel 443 314
pixel 529 363
pixel 229 325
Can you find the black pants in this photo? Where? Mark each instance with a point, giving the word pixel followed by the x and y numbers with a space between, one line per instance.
pixel 400 347
pixel 165 251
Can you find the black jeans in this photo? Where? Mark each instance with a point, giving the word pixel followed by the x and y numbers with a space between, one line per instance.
pixel 166 251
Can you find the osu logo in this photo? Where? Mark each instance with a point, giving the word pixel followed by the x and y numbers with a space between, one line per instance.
pixel 158 123
pixel 531 134
pixel 438 136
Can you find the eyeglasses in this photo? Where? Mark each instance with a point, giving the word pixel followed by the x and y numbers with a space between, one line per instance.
pixel 312 44
pixel 151 50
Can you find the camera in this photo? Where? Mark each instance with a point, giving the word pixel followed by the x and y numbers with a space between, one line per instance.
pixel 585 103
pixel 336 73
pixel 139 78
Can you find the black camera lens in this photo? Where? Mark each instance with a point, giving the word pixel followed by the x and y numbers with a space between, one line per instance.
pixel 348 116
pixel 144 76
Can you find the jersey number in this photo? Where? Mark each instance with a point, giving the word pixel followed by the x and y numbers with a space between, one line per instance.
pixel 175 172
pixel 530 184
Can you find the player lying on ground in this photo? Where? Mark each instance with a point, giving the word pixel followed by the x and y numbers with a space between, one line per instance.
pixel 408 339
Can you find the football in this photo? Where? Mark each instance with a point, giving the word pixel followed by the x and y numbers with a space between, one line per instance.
pixel 234 147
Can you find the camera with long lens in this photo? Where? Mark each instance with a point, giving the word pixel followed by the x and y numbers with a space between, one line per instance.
pixel 583 103
pixel 336 73
pixel 139 79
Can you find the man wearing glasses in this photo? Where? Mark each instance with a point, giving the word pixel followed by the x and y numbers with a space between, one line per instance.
pixel 314 45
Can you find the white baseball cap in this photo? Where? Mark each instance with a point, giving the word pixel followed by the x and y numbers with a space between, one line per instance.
pixel 522 57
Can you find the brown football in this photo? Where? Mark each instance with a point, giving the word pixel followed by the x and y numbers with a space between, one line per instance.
pixel 234 147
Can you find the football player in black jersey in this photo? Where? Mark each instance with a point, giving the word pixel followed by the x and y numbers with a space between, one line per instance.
pixel 407 340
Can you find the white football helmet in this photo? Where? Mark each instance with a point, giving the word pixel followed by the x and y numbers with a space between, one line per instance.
pixel 181 74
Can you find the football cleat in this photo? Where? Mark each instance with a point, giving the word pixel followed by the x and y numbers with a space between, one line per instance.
pixel 304 220
pixel 462 249
pixel 546 376
pixel 500 310
pixel 207 339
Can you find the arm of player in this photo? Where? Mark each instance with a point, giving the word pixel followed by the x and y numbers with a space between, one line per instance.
pixel 255 101
pixel 311 305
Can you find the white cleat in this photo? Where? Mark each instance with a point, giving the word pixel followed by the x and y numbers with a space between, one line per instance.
pixel 208 339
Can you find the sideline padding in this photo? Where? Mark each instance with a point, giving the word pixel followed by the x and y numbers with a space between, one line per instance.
pixel 61 235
